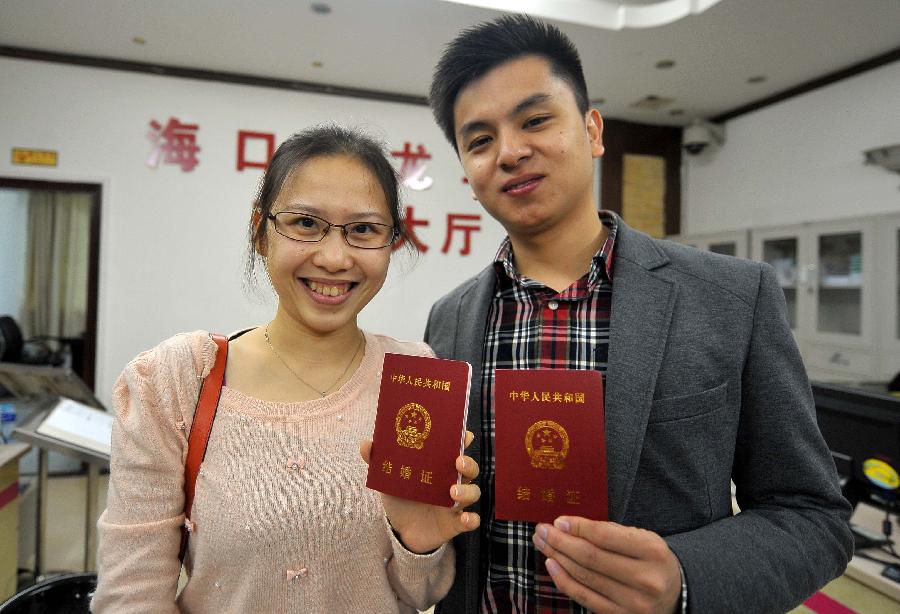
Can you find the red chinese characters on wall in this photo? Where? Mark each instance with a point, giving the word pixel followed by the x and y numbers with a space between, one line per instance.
pixel 409 228
pixel 465 223
pixel 412 172
pixel 174 143
pixel 268 141
pixel 414 167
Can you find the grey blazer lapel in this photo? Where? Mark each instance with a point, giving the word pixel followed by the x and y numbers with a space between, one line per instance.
pixel 469 328
pixel 642 305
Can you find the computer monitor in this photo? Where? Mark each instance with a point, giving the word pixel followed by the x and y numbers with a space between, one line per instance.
pixel 861 425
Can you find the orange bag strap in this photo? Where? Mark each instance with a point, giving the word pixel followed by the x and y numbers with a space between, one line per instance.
pixel 201 427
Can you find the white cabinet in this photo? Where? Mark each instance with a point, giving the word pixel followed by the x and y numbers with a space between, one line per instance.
pixel 828 272
pixel 784 248
pixel 888 298
pixel 841 283
pixel 732 243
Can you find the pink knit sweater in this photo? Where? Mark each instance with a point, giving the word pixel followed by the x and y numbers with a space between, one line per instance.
pixel 284 522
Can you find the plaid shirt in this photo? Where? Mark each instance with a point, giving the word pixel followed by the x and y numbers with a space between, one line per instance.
pixel 531 326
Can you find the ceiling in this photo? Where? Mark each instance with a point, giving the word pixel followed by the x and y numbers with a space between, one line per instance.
pixel 392 45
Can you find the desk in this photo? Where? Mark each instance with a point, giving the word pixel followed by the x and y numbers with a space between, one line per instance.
pixel 9 516
pixel 869 572
pixel 28 433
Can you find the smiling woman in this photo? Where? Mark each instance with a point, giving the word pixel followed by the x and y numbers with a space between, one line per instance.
pixel 281 519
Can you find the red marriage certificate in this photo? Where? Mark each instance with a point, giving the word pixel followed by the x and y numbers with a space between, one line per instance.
pixel 549 444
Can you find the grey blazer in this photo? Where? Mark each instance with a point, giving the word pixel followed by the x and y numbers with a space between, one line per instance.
pixel 704 385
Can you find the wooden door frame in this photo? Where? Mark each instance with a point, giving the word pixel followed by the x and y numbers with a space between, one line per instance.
pixel 96 192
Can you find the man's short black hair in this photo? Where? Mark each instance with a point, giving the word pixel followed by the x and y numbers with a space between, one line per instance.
pixel 479 49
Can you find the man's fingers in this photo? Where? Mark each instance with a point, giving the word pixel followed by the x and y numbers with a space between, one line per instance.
pixel 585 563
pixel 470 437
pixel 640 583
pixel 596 590
pixel 587 555
pixel 612 537
pixel 590 599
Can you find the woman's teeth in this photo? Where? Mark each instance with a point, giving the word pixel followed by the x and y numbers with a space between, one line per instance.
pixel 327 290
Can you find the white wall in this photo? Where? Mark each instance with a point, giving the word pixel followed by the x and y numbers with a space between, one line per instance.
pixel 13 235
pixel 800 160
pixel 172 243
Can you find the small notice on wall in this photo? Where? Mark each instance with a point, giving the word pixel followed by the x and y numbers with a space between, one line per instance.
pixel 34 157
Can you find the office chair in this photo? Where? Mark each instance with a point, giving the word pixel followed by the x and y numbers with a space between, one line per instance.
pixel 11 341
pixel 33 351
pixel 70 593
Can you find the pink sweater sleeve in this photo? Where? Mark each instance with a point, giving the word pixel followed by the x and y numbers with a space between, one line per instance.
pixel 140 530
pixel 420 580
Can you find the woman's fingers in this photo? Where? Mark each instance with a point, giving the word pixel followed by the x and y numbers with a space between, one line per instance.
pixel 465 494
pixel 365 449
pixel 467 467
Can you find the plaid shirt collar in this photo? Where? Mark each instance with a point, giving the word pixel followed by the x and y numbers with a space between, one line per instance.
pixel 601 264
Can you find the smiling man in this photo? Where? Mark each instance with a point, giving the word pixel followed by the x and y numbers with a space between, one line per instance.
pixel 703 381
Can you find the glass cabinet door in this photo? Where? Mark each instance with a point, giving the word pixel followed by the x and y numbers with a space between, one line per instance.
pixel 728 248
pixel 729 243
pixel 840 266
pixel 842 255
pixel 782 254
pixel 887 298
pixel 896 292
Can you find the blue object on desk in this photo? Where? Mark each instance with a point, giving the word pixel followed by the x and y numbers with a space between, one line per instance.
pixel 7 420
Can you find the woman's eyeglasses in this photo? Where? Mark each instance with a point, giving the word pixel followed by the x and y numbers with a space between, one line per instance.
pixel 311 229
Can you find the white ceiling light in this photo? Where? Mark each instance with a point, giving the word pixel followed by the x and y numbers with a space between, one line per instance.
pixel 608 14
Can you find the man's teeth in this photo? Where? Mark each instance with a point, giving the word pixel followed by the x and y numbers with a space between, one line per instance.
pixel 519 185
pixel 328 290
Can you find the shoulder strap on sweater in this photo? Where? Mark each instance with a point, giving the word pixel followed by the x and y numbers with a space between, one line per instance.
pixel 204 415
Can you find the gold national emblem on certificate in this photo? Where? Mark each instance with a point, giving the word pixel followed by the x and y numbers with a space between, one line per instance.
pixel 547 444
pixel 413 426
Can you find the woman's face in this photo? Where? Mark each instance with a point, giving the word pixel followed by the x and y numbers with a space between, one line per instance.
pixel 323 286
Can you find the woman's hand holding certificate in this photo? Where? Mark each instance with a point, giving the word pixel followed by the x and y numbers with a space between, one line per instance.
pixel 422 527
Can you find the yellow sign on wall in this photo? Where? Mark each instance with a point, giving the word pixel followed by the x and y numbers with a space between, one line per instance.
pixel 644 193
pixel 34 157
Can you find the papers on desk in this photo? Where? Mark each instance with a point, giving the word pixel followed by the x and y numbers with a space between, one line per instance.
pixel 79 424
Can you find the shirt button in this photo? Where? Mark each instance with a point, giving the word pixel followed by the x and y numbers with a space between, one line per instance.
pixel 553 305
pixel 295 464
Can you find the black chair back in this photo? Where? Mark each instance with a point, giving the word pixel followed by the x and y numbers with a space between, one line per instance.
pixel 66 594
pixel 11 341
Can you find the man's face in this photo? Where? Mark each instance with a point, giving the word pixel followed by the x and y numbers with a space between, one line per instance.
pixel 526 149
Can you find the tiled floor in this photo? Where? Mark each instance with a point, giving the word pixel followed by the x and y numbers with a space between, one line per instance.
pixel 64 549
pixel 855 596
